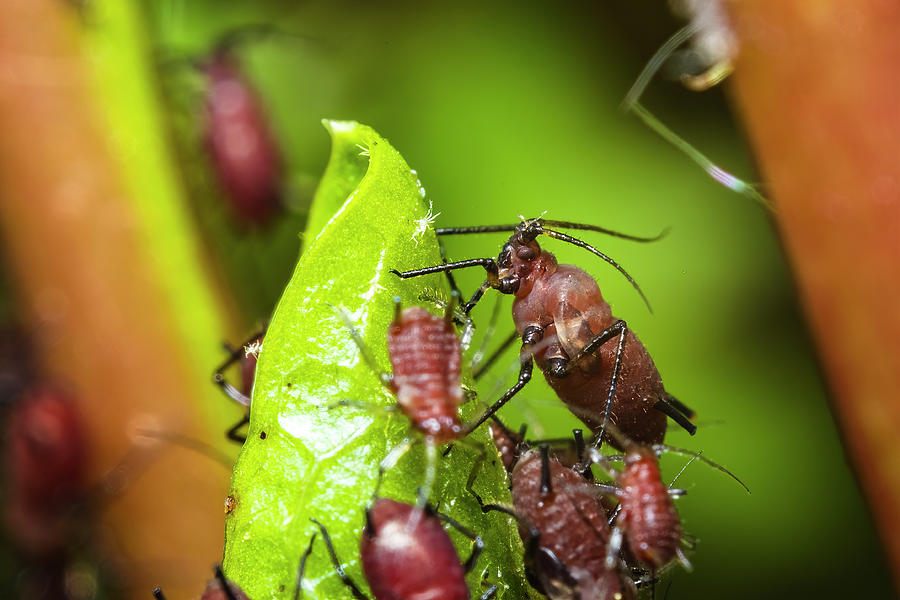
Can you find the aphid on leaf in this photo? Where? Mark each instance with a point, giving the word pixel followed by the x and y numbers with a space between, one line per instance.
pixel 564 526
pixel 425 355
pixel 407 554
pixel 596 365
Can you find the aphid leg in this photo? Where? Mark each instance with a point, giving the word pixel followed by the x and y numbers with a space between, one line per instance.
pixel 391 459
pixel 233 434
pixel 480 369
pixel 613 548
pixel 477 542
pixel 476 466
pixel 489 332
pixel 679 553
pixel 431 460
pixel 450 279
pixel 489 265
pixel 698 456
pixel 189 443
pixel 158 594
pixel 531 336
pixel 681 472
pixel 561 368
pixel 354 589
pixel 298 590
pixel 235 355
pixel 223 583
pixel 364 350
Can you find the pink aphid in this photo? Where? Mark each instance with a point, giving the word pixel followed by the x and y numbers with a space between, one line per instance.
pixel 242 149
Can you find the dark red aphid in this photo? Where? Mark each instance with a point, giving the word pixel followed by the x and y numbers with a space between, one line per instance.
pixel 406 554
pixel 563 523
pixel 46 459
pixel 246 354
pixel 242 150
pixel 425 356
pixel 218 588
pixel 565 325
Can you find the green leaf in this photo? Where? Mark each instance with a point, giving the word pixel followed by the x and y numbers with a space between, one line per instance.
pixel 321 461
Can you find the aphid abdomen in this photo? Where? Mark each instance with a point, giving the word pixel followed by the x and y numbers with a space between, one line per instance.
pixel 409 556
pixel 242 149
pixel 651 523
pixel 571 522
pixel 425 357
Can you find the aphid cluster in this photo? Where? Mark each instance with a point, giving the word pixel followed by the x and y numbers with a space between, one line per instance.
pixel 584 538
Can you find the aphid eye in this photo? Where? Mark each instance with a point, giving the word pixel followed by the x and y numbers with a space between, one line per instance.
pixel 525 253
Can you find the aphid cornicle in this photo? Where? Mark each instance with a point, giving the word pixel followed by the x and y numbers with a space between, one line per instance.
pixel 596 365
pixel 406 553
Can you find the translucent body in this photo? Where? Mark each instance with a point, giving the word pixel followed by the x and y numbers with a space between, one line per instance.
pixel 648 517
pixel 565 302
pixel 407 555
pixel 572 525
pixel 242 149
pixel 425 357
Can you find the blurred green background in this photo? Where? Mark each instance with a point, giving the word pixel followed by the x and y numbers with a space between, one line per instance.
pixel 509 109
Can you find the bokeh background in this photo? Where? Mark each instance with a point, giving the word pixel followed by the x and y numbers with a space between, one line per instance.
pixel 504 109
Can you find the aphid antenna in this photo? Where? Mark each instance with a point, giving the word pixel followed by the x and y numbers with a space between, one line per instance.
pixel 223 583
pixel 698 456
pixel 713 170
pixel 656 61
pixel 364 350
pixel 354 589
pixel 576 242
pixel 189 443
pixel 158 594
pixel 301 568
pixel 537 226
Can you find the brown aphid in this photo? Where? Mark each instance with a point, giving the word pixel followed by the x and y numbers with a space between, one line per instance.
pixel 648 517
pixel 242 150
pixel 563 525
pixel 566 326
pixel 425 357
pixel 406 554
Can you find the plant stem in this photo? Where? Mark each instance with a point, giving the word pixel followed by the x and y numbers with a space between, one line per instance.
pixel 817 85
